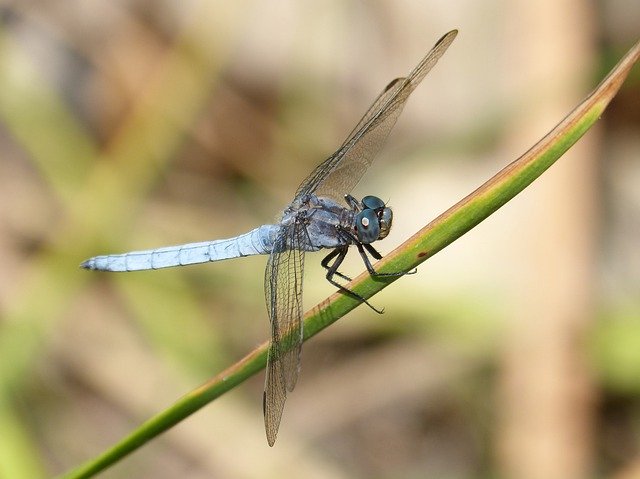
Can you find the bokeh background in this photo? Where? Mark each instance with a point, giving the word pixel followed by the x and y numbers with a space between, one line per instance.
pixel 131 124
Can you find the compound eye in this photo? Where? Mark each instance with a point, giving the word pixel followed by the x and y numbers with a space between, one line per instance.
pixel 367 226
pixel 372 202
pixel 385 218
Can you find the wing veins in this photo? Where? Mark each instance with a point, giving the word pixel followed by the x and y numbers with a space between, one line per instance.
pixel 390 101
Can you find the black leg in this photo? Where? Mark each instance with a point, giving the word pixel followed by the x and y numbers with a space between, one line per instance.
pixel 366 261
pixel 329 257
pixel 352 202
pixel 373 252
pixel 340 254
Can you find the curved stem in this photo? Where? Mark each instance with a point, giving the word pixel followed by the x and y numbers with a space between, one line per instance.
pixel 442 231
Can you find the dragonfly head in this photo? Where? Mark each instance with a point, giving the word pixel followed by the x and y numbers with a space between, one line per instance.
pixel 374 221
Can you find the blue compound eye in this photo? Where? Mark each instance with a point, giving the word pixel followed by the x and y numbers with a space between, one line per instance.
pixel 367 226
pixel 372 202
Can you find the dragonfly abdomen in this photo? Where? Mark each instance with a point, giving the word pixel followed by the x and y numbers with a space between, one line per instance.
pixel 256 241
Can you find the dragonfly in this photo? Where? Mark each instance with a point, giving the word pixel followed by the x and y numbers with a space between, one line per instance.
pixel 316 219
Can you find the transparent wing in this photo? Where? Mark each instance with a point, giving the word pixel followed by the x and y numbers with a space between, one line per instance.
pixel 283 290
pixel 339 174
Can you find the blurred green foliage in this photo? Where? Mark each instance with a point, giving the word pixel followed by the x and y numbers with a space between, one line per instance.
pixel 186 127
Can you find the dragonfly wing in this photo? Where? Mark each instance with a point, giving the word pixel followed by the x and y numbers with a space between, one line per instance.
pixel 283 290
pixel 340 173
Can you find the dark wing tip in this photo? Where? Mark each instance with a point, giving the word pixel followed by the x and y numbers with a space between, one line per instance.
pixel 264 403
pixel 392 83
pixel 446 40
pixel 451 34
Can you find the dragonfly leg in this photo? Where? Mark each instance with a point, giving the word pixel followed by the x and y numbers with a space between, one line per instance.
pixel 329 257
pixel 332 270
pixel 352 202
pixel 373 252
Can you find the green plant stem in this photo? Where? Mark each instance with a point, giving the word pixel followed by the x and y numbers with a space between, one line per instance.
pixel 445 229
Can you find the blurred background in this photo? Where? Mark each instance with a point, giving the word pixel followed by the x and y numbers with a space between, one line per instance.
pixel 132 124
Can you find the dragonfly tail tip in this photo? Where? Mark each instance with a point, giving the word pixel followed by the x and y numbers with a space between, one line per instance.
pixel 88 264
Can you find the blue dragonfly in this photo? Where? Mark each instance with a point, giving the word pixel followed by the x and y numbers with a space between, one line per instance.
pixel 316 219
